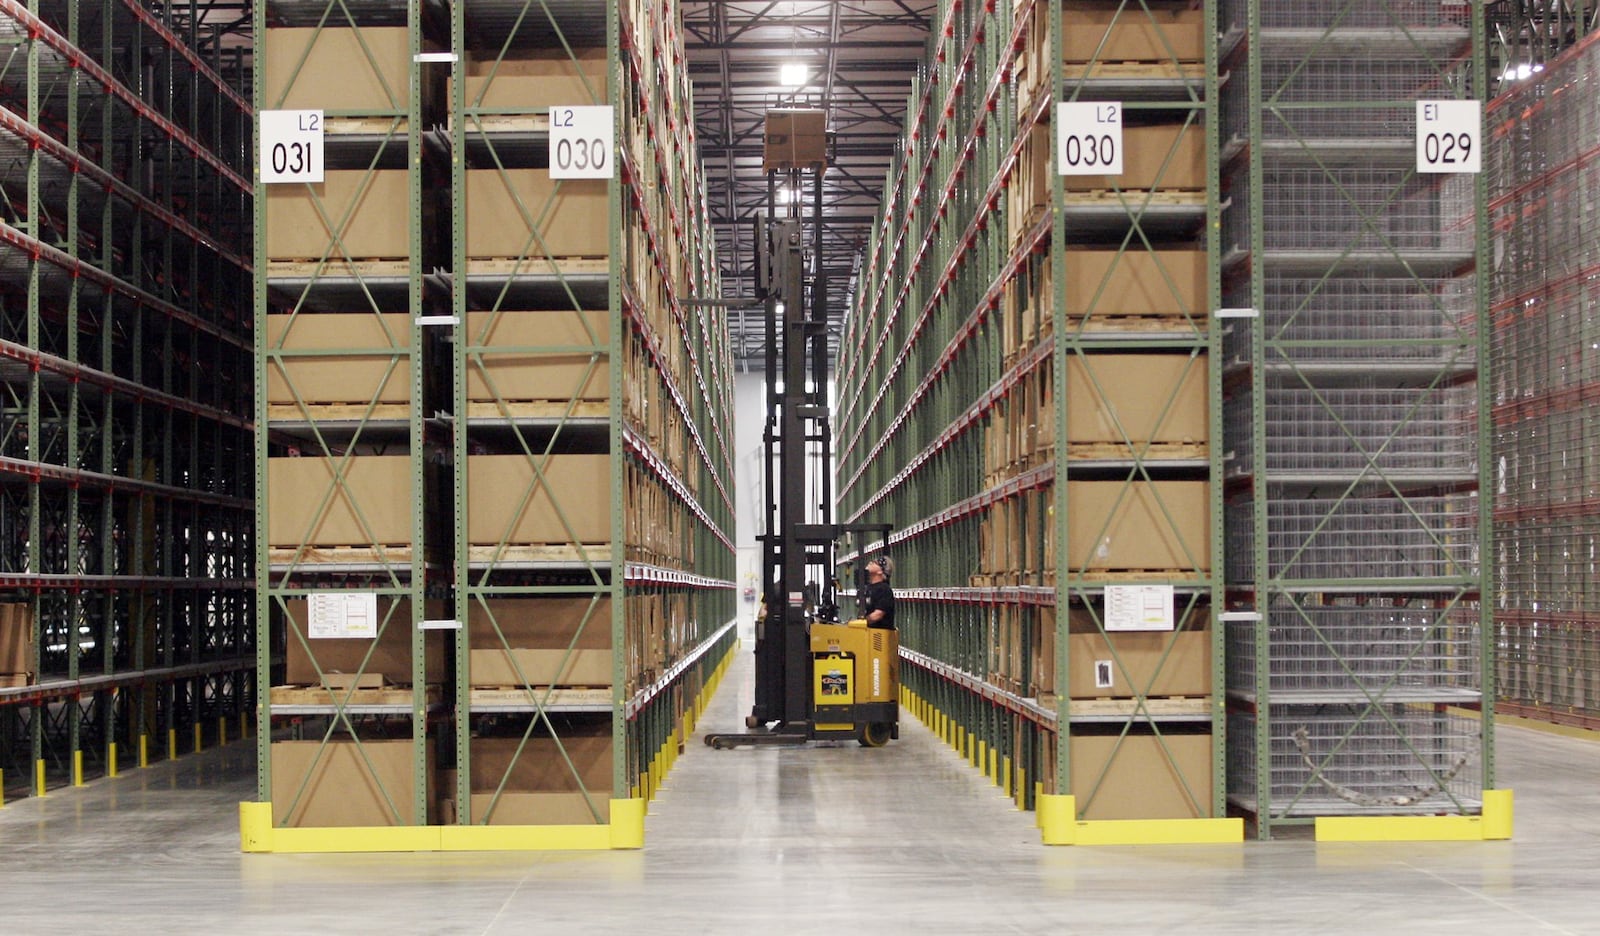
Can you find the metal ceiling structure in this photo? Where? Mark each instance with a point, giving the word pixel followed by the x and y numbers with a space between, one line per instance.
pixel 860 56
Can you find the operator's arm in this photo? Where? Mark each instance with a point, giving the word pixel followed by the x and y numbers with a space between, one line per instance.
pixel 875 616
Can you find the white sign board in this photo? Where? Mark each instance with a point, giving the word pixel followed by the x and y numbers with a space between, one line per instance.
pixel 581 143
pixel 1089 138
pixel 342 614
pixel 1138 608
pixel 1449 134
pixel 291 146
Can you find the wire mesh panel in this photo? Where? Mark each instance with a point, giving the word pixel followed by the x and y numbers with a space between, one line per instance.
pixel 1546 356
pixel 1352 422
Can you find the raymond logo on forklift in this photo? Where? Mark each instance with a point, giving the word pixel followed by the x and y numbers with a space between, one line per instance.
pixel 877 680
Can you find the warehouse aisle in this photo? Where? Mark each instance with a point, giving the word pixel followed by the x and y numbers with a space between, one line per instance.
pixel 826 840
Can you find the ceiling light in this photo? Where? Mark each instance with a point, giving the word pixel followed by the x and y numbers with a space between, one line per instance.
pixel 792 74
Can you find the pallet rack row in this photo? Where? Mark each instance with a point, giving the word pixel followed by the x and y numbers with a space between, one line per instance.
pixel 1541 166
pixel 517 358
pixel 1357 602
pixel 1029 398
pixel 124 555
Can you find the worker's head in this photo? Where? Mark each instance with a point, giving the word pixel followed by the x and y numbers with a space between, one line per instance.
pixel 879 569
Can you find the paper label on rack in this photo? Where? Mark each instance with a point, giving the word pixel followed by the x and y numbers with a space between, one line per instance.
pixel 581 143
pixel 1449 134
pixel 1089 138
pixel 291 146
pixel 1139 608
pixel 342 614
pixel 1102 674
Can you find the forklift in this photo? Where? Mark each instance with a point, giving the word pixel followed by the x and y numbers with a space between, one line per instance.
pixel 817 677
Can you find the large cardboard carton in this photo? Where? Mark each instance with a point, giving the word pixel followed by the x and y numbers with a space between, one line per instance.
pixel 543 667
pixel 380 485
pixel 573 221
pixel 338 69
pixel 16 639
pixel 333 786
pixel 1137 282
pixel 342 378
pixel 1115 526
pixel 1138 665
pixel 1138 398
pixel 578 484
pixel 1146 163
pixel 391 649
pixel 541 622
pixel 536 79
pixel 369 210
pixel 543 766
pixel 1141 781
pixel 539 375
pixel 542 808
pixel 795 139
pixel 1095 30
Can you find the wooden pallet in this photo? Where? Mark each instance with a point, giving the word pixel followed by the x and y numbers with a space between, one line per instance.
pixel 1136 575
pixel 1157 706
pixel 501 123
pixel 538 266
pixel 366 126
pixel 539 409
pixel 1101 198
pixel 556 697
pixel 539 552
pixel 1155 451
pixel 336 269
pixel 339 555
pixel 1152 324
pixel 337 412
pixel 317 695
pixel 1162 70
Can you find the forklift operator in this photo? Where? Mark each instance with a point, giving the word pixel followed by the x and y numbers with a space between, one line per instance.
pixel 877 599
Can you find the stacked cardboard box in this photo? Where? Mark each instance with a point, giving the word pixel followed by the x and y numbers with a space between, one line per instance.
pixel 345 783
pixel 16 644
pixel 363 373
pixel 565 782
pixel 795 139
pixel 545 641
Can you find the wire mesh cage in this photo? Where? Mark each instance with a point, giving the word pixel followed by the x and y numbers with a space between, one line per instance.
pixel 1378 429
pixel 1383 647
pixel 1362 208
pixel 1366 538
pixel 1372 318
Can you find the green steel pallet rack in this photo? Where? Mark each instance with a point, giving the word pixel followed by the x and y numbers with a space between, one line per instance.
pixel 124 554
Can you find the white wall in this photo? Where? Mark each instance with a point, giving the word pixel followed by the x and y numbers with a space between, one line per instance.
pixel 749 420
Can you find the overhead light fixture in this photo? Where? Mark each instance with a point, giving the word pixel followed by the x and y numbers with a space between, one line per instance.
pixel 792 74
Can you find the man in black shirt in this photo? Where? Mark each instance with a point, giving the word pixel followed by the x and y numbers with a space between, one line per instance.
pixel 877 600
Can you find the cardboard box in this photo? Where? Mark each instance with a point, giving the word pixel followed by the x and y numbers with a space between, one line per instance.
pixel 16 640
pixel 391 657
pixel 1185 672
pixel 795 139
pixel 343 378
pixel 1141 781
pixel 543 767
pixel 340 789
pixel 579 484
pixel 540 622
pixel 347 681
pixel 543 667
pixel 1139 534
pixel 1137 397
pixel 572 222
pixel 541 808
pixel 1093 30
pixel 1145 163
pixel 539 375
pixel 536 79
pixel 338 69
pixel 379 484
pixel 1102 283
pixel 374 208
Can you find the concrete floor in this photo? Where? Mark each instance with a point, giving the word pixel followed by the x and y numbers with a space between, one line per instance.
pixel 827 840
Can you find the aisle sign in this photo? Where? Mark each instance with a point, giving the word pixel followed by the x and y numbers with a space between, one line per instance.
pixel 1089 138
pixel 342 614
pixel 291 146
pixel 1138 608
pixel 1448 136
pixel 581 143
